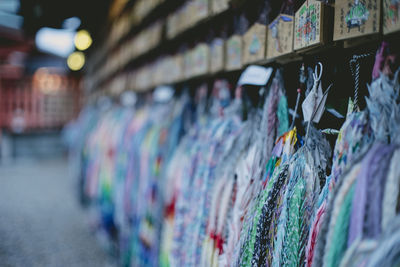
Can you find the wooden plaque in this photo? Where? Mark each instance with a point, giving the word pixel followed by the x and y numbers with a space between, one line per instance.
pixel 280 36
pixel 218 6
pixel 309 25
pixel 178 67
pixel 143 78
pixel 254 43
pixel 201 10
pixel 188 64
pixel 158 74
pixel 356 18
pixel 201 59
pixel 234 52
pixel 217 57
pixel 391 16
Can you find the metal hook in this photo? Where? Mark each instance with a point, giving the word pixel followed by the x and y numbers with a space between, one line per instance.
pixel 316 76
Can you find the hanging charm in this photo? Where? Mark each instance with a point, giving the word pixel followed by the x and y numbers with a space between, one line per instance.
pixel 314 104
pixel 311 111
pixel 355 72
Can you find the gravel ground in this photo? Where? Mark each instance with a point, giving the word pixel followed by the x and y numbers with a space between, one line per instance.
pixel 41 223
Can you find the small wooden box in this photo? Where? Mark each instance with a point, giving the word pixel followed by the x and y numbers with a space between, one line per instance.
pixel 201 59
pixel 172 22
pixel 131 80
pixel 158 72
pixel 356 18
pixel 152 68
pixel 254 43
pixel 143 78
pixel 177 68
pixel 188 64
pixel 217 55
pixel 309 25
pixel 391 16
pixel 234 53
pixel 219 6
pixel 280 36
pixel 200 10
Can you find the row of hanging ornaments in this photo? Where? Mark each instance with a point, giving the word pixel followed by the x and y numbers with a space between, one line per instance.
pixel 177 186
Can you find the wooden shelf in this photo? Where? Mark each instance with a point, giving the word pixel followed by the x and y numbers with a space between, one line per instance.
pixel 160 11
pixel 189 36
pixel 167 45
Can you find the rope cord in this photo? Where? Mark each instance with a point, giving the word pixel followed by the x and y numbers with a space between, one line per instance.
pixel 355 72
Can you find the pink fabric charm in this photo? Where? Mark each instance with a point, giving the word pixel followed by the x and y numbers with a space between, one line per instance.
pixel 379 60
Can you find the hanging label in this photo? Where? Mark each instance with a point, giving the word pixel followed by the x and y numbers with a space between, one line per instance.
pixel 255 75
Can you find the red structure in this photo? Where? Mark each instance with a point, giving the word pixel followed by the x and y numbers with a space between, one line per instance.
pixel 46 99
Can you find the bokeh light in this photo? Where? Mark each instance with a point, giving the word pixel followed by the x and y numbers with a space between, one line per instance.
pixel 83 40
pixel 76 61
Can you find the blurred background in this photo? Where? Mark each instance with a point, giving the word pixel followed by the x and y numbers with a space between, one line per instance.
pixel 43 48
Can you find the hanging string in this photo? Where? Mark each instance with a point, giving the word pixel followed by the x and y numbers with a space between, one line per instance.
pixel 302 79
pixel 296 108
pixel 355 72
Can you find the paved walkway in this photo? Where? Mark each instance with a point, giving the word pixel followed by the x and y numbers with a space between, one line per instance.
pixel 41 223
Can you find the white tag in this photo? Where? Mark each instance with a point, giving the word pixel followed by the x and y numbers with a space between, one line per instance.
pixel 310 104
pixel 335 113
pixel 163 93
pixel 291 112
pixel 128 99
pixel 350 107
pixel 255 75
pixel 218 41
